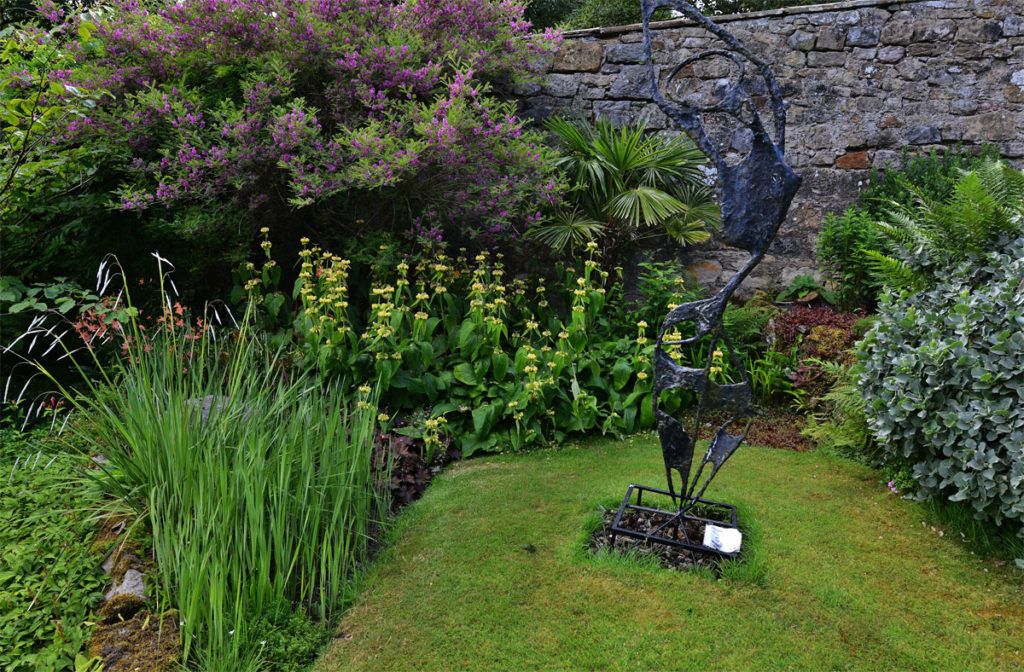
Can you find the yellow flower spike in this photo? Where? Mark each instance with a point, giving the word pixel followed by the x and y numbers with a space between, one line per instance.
pixel 642 375
pixel 420 315
pixel 440 289
pixel 365 389
pixel 642 324
pixel 383 417
pixel 265 230
pixel 304 241
pixel 266 244
pixel 580 281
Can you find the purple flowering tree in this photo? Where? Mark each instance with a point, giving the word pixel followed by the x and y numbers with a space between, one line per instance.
pixel 269 106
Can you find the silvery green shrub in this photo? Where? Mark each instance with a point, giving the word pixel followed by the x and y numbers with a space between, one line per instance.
pixel 944 384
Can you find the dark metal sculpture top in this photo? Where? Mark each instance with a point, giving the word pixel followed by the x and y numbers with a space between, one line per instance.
pixel 756 194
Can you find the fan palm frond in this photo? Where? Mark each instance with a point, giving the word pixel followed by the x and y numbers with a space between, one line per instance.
pixel 644 206
pixel 567 230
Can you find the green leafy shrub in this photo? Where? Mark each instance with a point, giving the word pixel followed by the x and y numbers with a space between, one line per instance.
pixel 843 244
pixel 943 376
pixel 848 243
pixel 598 13
pixel 186 126
pixel 548 13
pixel 717 7
pixel 983 207
pixel 508 363
pixel 50 577
pixel 931 175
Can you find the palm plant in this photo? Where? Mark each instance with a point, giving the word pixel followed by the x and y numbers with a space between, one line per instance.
pixel 625 181
pixel 986 204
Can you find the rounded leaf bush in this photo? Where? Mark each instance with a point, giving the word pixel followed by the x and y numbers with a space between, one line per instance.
pixel 944 384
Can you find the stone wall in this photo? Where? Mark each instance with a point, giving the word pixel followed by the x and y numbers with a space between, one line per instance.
pixel 862 79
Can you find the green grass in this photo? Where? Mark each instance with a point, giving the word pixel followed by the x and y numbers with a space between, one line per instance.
pixel 848 577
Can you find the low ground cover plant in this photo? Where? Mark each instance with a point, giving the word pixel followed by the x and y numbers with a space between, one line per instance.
pixel 50 577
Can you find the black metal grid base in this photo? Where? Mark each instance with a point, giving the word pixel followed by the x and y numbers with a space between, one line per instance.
pixel 674 522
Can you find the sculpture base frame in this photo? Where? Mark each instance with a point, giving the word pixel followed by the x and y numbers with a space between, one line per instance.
pixel 675 522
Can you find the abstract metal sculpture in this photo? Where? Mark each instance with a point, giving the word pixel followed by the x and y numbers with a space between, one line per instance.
pixel 756 194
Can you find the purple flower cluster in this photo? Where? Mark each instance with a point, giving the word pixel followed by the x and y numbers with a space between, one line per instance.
pixel 239 101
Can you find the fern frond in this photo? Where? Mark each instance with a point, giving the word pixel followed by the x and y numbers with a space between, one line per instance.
pixel 893 272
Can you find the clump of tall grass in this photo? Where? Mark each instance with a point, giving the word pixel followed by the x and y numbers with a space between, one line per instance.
pixel 259 484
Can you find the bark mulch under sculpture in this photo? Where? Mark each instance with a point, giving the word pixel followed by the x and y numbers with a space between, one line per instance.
pixel 667 556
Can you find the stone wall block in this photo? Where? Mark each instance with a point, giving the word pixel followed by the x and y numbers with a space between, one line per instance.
pixel 991 127
pixel 962 107
pixel 853 160
pixel 930 32
pixel 1013 25
pixel 848 18
pixel 863 36
pixel 891 54
pixel 656 119
pixel 830 39
pixel 624 53
pixel 897 32
pixel 632 82
pixel 979 30
pixel 577 56
pixel 826 59
pixel 928 48
pixel 801 40
pixel 561 85
pixel 922 135
pixel 618 112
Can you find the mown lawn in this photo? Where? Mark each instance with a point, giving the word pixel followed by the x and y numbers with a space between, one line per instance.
pixel 853 580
